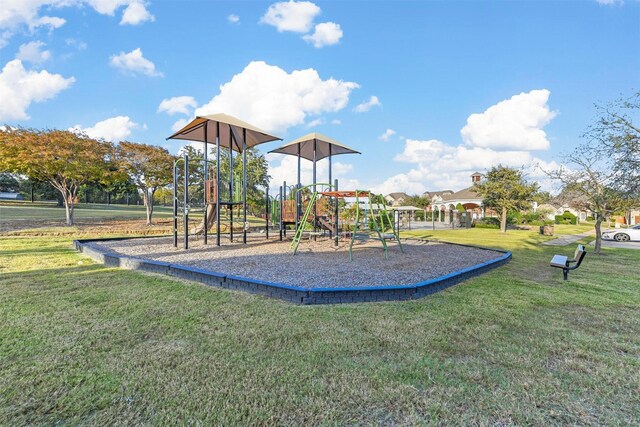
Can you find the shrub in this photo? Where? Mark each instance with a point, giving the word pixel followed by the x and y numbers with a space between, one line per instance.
pixel 566 218
pixel 488 223
pixel 532 217
pixel 387 223
pixel 514 217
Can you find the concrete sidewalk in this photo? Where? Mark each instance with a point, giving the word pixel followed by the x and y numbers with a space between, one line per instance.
pixel 565 239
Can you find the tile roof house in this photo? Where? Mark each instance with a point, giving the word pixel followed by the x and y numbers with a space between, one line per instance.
pixel 469 199
pixel 431 194
pixel 396 199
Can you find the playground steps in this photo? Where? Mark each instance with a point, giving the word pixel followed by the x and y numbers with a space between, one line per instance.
pixel 327 224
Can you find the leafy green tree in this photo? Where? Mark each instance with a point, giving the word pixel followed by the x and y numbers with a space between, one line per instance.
pixel 257 174
pixel 9 183
pixel 542 197
pixel 618 132
pixel 149 167
pixel 417 201
pixel 34 189
pixel 64 159
pixel 505 189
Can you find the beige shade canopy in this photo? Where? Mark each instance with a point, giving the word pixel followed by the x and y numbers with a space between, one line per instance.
pixel 324 147
pixel 208 125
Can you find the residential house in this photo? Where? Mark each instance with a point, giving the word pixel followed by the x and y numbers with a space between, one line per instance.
pixel 396 199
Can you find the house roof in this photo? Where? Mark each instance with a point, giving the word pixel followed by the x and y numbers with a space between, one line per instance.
pixel 397 196
pixel 437 193
pixel 466 193
pixel 569 198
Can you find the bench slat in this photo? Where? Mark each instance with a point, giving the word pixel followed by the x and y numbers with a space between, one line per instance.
pixel 559 261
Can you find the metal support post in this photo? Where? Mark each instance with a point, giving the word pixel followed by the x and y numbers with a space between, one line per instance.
pixel 284 197
pixel 186 201
pixel 175 205
pixel 266 216
pixel 315 206
pixel 231 140
pixel 218 183
pixel 335 217
pixel 280 216
pixel 298 191
pixel 244 185
pixel 206 174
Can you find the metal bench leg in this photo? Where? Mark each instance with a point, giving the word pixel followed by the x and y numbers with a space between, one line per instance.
pixel 565 273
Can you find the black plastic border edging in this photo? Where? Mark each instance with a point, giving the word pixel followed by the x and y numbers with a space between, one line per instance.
pixel 294 294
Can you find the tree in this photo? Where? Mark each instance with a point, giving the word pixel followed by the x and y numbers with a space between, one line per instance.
pixel 41 190
pixel 590 175
pixel 149 167
pixel 542 197
pixel 620 136
pixel 257 174
pixel 64 159
pixel 9 183
pixel 417 201
pixel 505 189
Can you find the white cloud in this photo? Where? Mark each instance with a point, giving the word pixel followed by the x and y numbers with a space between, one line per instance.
pixel 136 13
pixel 33 53
pixel 325 34
pixel 234 19
pixel 295 16
pixel 336 122
pixel 178 104
pixel 515 123
pixel 78 44
pixel 107 7
pixel 114 129
pixel 20 87
pixel 179 124
pixel 439 166
pixel 387 134
pixel 610 2
pixel 134 62
pixel 17 14
pixel 400 183
pixel 367 105
pixel 505 133
pixel 271 98
pixel 316 122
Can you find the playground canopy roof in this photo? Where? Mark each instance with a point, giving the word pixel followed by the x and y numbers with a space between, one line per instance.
pixel 324 147
pixel 205 128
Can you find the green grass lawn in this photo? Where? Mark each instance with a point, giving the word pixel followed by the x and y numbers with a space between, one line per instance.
pixel 50 211
pixel 39 211
pixel 85 344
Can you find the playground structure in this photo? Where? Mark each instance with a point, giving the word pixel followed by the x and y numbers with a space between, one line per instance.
pixel 374 223
pixel 317 214
pixel 223 131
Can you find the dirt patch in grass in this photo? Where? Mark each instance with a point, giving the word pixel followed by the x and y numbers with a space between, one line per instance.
pixel 84 227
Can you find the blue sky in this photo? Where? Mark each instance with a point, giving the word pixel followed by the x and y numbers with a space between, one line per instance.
pixel 428 91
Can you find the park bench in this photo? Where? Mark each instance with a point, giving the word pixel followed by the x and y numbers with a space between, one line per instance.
pixel 561 261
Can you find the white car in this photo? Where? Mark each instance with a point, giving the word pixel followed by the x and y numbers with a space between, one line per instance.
pixel 623 234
